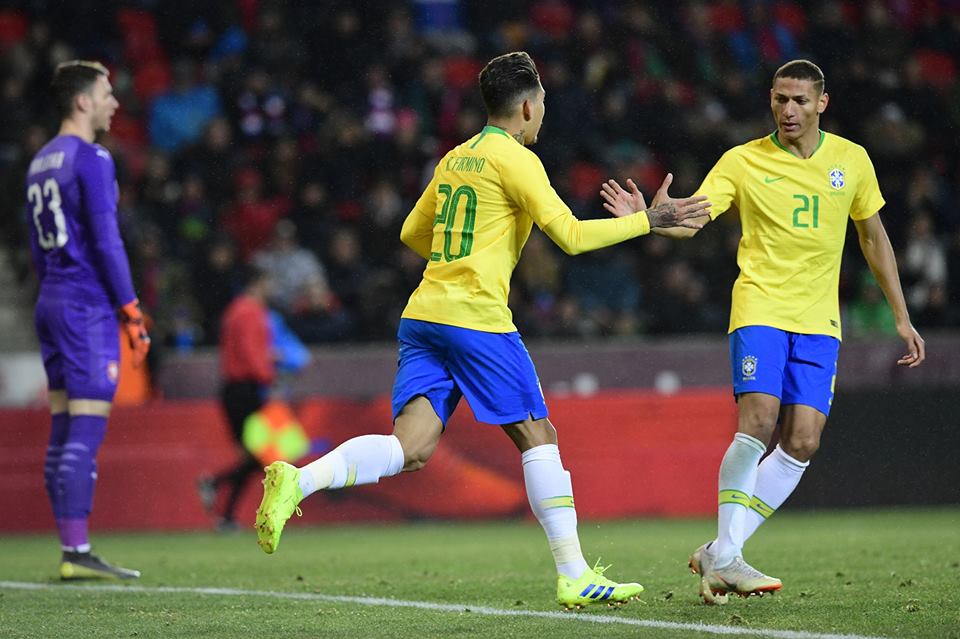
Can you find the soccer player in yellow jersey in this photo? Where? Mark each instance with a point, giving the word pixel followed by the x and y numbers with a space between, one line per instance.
pixel 456 335
pixel 795 190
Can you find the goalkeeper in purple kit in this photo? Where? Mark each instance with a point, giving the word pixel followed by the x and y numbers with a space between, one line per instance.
pixel 71 193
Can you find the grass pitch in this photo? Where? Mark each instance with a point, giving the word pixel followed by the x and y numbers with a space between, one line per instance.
pixel 866 573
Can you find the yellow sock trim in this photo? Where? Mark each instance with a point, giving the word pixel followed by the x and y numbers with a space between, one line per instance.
pixel 761 508
pixel 351 476
pixel 734 497
pixel 563 501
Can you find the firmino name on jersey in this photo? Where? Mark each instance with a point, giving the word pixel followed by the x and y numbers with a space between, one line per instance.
pixel 466 164
pixel 47 162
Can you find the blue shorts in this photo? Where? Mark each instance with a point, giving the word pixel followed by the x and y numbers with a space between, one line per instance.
pixel 443 363
pixel 80 345
pixel 794 367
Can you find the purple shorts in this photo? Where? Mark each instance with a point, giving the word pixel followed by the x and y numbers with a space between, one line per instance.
pixel 80 345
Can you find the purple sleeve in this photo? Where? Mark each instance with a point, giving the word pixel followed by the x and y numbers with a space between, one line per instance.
pixel 98 186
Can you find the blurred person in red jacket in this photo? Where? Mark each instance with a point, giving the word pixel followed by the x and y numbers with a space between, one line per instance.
pixel 248 369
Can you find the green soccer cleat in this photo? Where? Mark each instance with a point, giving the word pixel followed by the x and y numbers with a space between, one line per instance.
pixel 592 588
pixel 281 494
pixel 85 565
pixel 739 578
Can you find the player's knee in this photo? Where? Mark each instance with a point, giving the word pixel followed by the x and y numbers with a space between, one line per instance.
pixel 758 424
pixel 801 447
pixel 417 459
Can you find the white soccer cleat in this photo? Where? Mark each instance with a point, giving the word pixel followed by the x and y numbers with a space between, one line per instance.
pixel 738 577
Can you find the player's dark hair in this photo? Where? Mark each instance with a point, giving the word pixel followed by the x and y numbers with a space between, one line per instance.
pixel 71 78
pixel 506 80
pixel 802 70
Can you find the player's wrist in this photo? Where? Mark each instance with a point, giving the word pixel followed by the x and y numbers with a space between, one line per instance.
pixel 131 313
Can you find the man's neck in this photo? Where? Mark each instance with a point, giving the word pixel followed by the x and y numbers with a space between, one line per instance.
pixel 513 126
pixel 82 130
pixel 803 147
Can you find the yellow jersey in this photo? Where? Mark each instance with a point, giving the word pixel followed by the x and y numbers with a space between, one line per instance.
pixel 472 222
pixel 793 213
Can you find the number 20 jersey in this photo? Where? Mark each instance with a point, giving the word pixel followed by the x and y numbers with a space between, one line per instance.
pixel 793 214
pixel 71 202
pixel 482 202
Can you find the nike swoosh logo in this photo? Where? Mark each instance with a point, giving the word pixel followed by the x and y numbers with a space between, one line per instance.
pixel 770 180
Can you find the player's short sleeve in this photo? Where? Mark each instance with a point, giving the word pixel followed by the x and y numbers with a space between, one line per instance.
pixel 426 205
pixel 525 183
pixel 720 185
pixel 868 199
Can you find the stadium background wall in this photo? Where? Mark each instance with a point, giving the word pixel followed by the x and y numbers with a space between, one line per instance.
pixel 632 453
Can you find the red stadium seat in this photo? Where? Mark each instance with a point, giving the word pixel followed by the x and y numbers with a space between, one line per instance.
pixel 13 28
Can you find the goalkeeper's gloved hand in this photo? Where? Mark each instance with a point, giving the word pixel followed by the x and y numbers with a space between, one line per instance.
pixel 133 323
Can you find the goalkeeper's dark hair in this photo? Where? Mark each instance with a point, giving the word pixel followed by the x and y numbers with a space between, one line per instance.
pixel 71 78
pixel 803 70
pixel 507 80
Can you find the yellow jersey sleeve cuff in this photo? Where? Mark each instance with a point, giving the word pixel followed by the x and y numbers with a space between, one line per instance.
pixel 643 221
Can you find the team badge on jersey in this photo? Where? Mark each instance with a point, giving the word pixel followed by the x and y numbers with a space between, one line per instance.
pixel 837 178
pixel 113 371
pixel 748 366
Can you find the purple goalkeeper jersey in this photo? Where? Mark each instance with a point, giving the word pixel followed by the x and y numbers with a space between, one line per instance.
pixel 72 198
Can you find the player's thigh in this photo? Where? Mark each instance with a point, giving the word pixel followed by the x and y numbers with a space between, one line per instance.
pixel 497 376
pixel 421 371
pixel 83 348
pixel 810 373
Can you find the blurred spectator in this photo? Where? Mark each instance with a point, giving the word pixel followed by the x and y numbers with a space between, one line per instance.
pixel 291 267
pixel 869 314
pixel 924 264
pixel 252 217
pixel 179 117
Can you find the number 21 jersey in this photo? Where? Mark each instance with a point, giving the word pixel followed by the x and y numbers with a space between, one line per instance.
pixel 793 213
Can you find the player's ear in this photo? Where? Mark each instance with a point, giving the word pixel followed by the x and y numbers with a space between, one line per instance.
pixel 822 102
pixel 527 110
pixel 82 102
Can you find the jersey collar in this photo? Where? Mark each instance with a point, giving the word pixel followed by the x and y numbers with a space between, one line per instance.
pixel 776 140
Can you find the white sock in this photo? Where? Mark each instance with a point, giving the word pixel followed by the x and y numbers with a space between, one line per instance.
pixel 738 478
pixel 357 461
pixel 777 478
pixel 550 492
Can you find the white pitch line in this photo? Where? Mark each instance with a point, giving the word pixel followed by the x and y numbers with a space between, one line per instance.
pixel 438 607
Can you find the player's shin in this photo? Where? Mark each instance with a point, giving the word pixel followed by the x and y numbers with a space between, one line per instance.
pixel 357 461
pixel 60 426
pixel 550 492
pixel 738 478
pixel 777 477
pixel 76 477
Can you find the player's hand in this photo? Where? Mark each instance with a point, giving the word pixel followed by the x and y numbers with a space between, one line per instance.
pixel 621 202
pixel 131 317
pixel 667 211
pixel 916 350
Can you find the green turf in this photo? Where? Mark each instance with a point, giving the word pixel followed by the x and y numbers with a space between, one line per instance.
pixel 885 573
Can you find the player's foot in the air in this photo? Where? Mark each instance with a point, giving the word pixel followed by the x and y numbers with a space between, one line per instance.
pixel 739 578
pixel 281 494
pixel 85 565
pixel 701 562
pixel 592 588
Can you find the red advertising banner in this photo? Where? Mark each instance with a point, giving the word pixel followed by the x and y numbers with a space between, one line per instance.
pixel 631 453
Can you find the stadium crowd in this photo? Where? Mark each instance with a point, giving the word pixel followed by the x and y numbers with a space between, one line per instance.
pixel 296 136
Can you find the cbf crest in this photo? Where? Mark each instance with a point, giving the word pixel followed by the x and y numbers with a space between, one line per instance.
pixel 748 366
pixel 837 177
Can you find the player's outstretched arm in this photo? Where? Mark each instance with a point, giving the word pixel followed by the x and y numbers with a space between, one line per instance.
pixel 883 264
pixel 693 212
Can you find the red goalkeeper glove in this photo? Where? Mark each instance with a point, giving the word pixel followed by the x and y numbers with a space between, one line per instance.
pixel 133 323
